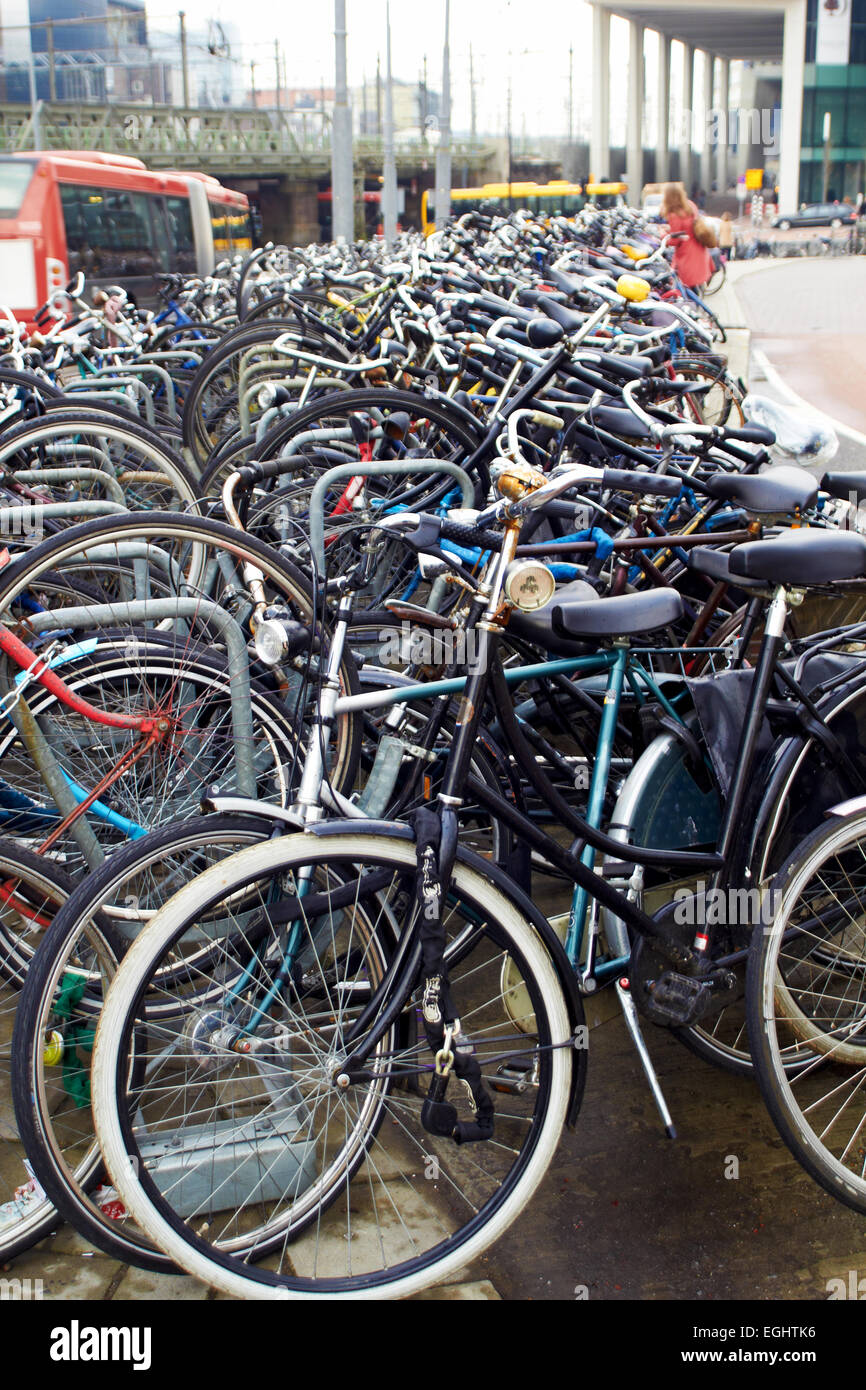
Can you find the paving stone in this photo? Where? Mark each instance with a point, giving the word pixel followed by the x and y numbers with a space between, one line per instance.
pixel 478 1290
pixel 143 1285
pixel 67 1277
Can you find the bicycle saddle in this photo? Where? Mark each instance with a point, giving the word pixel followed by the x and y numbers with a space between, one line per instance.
pixel 716 565
pixel 801 558
pixel 780 490
pixel 625 616
pixel 616 421
pixel 529 298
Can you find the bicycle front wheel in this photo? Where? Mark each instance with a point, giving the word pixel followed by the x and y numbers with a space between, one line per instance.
pixel 249 1143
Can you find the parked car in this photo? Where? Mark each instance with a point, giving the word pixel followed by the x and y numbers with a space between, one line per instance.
pixel 816 215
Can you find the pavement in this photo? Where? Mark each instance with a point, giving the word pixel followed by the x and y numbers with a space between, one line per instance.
pixel 806 316
pixel 722 1212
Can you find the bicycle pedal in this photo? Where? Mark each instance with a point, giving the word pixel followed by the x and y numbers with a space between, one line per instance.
pixel 679 1001
pixel 513 1079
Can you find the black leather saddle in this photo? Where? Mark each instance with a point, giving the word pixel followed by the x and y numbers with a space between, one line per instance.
pixel 801 558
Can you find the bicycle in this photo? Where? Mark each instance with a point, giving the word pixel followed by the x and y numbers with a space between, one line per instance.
pixel 353 900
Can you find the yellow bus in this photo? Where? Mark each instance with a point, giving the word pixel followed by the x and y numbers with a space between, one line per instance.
pixel 607 195
pixel 543 199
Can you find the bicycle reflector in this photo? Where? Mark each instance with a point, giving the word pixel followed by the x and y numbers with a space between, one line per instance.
pixel 633 288
pixel 529 585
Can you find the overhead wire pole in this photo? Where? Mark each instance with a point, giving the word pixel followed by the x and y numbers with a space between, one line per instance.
pixel 508 131
pixel 389 166
pixel 570 145
pixel 473 118
pixel 342 199
pixel 443 150
pixel 181 14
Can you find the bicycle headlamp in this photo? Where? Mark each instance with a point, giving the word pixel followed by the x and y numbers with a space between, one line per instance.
pixel 529 585
pixel 270 642
pixel 633 288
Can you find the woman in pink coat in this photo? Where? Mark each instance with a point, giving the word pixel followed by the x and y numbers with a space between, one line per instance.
pixel 692 261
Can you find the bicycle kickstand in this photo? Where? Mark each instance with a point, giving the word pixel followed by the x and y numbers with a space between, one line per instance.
pixel 629 1009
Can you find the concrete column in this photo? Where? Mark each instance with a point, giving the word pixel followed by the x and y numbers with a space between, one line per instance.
pixel 664 113
pixel 341 136
pixel 599 146
pixel 705 147
pixel 634 115
pixel 793 66
pixel 723 104
pixel 688 108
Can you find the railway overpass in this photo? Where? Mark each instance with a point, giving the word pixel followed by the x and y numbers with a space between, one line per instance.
pixel 280 156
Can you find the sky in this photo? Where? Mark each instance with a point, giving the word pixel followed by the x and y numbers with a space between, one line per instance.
pixel 529 38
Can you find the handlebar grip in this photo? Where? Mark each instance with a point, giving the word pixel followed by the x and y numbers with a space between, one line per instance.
pixel 469 536
pixel 751 434
pixel 655 484
pixel 627 368
pixel 252 473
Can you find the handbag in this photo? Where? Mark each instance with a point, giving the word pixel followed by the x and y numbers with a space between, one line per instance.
pixel 705 234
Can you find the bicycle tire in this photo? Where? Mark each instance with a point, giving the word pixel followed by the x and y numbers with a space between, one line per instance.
pixel 48 557
pixel 129 434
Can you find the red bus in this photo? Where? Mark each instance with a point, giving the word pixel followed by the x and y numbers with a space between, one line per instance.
pixel 111 217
